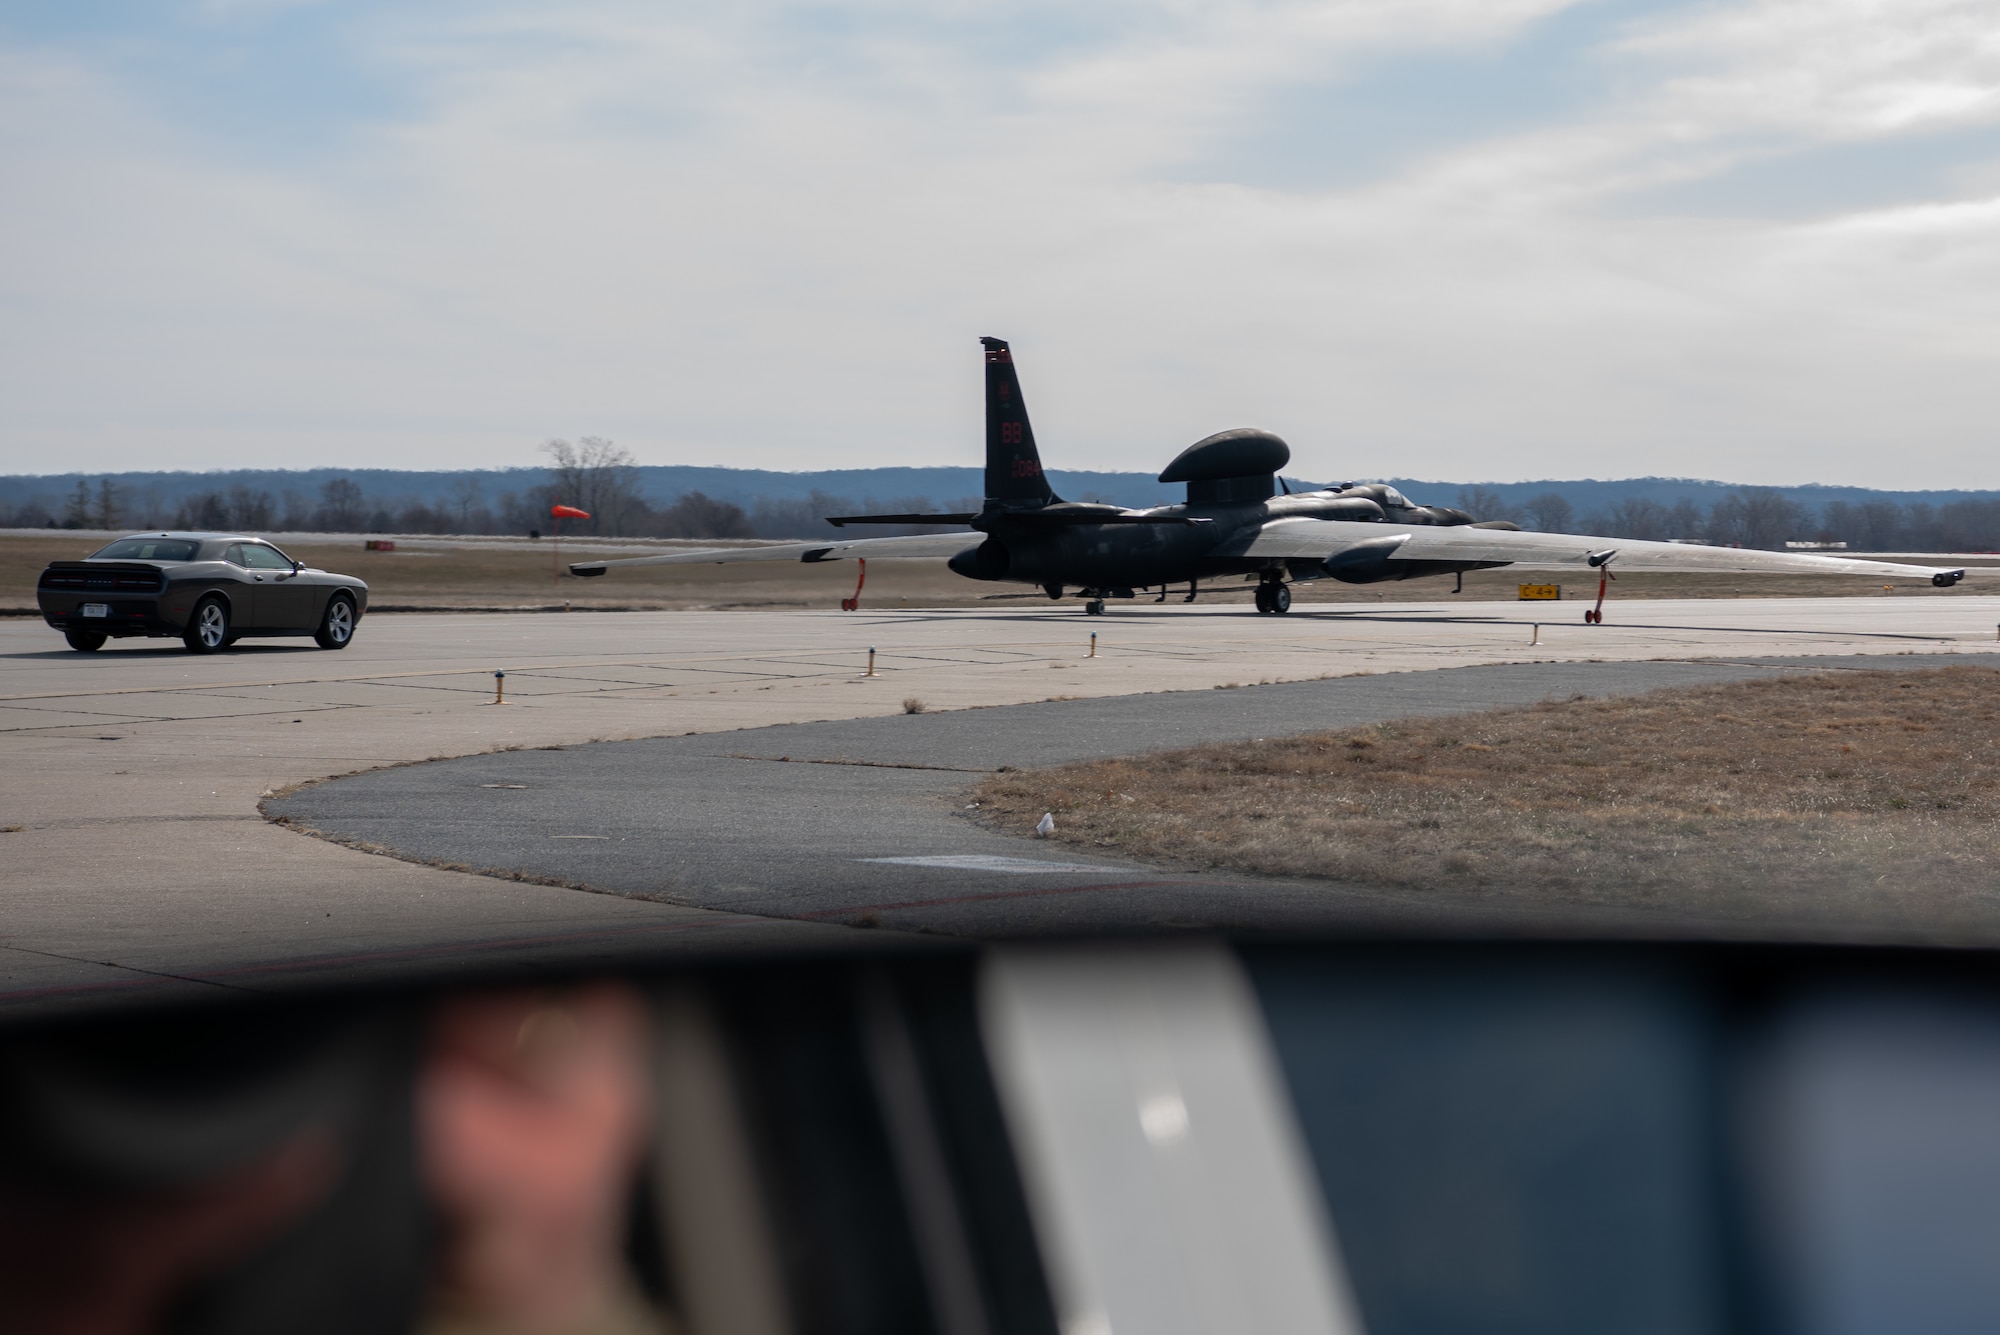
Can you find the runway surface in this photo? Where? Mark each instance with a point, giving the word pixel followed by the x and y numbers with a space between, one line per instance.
pixel 134 862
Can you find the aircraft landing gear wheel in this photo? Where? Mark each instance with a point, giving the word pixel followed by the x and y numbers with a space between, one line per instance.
pixel 84 641
pixel 1591 618
pixel 1263 598
pixel 1095 607
pixel 208 629
pixel 1281 598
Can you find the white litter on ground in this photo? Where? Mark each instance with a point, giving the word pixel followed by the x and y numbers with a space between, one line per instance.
pixel 995 863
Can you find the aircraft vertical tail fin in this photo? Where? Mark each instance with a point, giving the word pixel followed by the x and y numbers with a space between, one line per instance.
pixel 1014 478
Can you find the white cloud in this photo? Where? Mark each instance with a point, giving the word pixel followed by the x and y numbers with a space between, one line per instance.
pixel 768 236
pixel 1830 68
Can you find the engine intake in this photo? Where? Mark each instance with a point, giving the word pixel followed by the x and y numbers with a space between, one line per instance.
pixel 989 560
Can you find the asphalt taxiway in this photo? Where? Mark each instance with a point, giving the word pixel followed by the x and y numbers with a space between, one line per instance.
pixel 864 821
pixel 134 860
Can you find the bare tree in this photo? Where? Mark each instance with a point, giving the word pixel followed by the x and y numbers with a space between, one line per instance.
pixel 77 514
pixel 1882 524
pixel 697 516
pixel 1970 525
pixel 205 510
pixel 1757 517
pixel 147 509
pixel 596 475
pixel 250 511
pixel 775 518
pixel 297 512
pixel 1638 517
pixel 1685 520
pixel 1484 503
pixel 462 497
pixel 1549 513
pixel 110 503
pixel 340 506
pixel 1770 518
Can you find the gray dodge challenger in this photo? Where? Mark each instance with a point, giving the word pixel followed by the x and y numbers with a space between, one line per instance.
pixel 211 589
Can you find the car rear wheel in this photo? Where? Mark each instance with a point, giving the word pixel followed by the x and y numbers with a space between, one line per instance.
pixel 208 629
pixel 84 641
pixel 336 627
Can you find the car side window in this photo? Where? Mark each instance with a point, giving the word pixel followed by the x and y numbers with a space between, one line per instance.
pixel 257 556
pixel 234 554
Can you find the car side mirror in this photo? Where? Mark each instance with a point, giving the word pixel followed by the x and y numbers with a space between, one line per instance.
pixel 297 565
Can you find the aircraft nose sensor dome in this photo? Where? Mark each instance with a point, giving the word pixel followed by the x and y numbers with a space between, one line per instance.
pixel 1244 452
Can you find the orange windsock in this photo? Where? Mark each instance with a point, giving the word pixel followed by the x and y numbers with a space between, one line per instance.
pixel 568 512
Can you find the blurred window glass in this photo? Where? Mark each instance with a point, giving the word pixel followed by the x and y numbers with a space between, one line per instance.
pixel 147 549
pixel 256 556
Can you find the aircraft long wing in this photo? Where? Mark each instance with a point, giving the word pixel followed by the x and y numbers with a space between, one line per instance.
pixel 1321 538
pixel 917 545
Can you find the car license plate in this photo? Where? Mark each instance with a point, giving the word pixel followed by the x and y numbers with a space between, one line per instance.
pixel 97 609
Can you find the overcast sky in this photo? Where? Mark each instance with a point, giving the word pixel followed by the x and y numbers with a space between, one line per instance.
pixel 1466 239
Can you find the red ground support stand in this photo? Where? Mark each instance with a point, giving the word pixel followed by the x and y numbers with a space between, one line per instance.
pixel 854 604
pixel 1595 616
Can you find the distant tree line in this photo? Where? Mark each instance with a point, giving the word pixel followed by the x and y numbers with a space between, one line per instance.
pixel 596 475
pixel 1760 517
pixel 591 474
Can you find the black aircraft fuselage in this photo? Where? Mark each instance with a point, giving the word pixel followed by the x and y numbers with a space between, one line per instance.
pixel 1105 551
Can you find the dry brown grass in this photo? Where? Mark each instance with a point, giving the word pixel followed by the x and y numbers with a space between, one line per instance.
pixel 1852 788
pixel 518 575
pixel 427 573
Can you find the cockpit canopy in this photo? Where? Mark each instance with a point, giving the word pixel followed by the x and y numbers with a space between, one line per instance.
pixel 1381 493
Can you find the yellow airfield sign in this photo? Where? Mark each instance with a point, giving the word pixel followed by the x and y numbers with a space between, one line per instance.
pixel 1541 592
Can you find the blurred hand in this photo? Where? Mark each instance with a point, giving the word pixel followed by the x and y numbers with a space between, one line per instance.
pixel 532 1112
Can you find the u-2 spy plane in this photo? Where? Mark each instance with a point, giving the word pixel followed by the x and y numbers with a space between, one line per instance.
pixel 1239 520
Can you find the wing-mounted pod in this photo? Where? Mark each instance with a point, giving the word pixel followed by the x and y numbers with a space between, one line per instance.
pixel 1230 467
pixel 1367 562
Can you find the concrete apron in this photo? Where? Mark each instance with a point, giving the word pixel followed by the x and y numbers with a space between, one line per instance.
pixel 136 863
